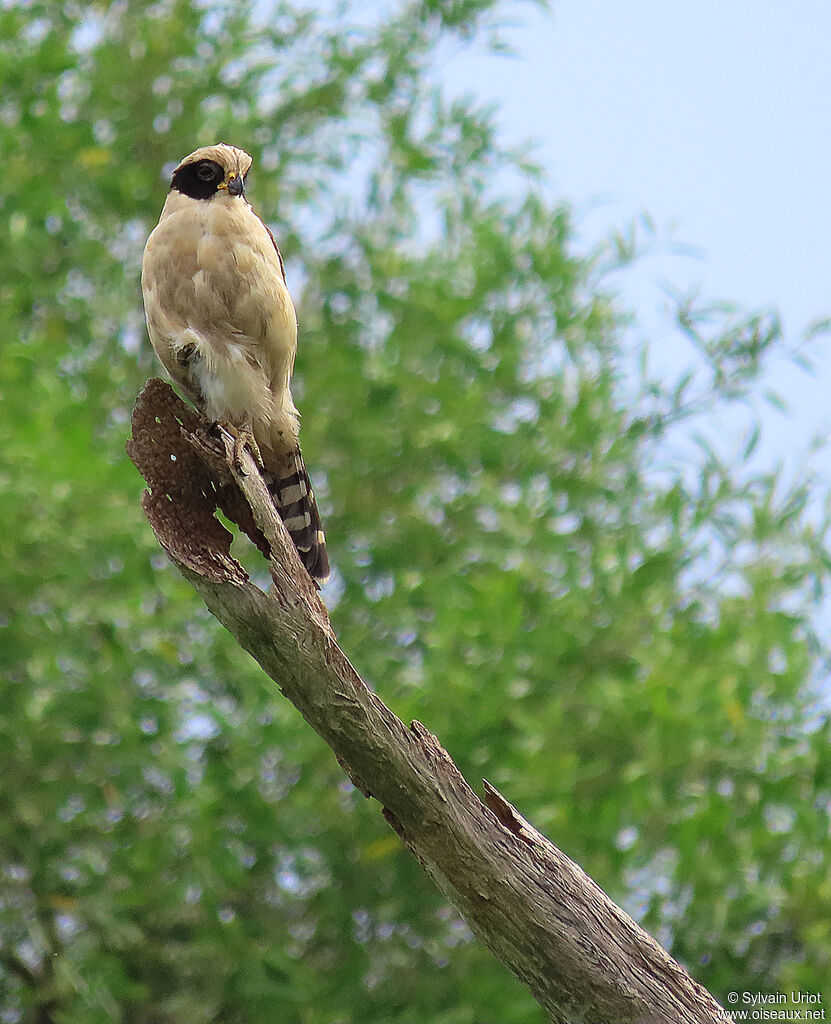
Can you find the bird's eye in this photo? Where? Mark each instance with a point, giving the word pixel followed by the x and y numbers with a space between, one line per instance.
pixel 205 171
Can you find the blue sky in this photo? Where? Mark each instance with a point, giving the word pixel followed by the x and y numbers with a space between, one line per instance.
pixel 713 117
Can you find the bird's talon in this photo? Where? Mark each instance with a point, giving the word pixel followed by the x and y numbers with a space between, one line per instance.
pixel 244 438
pixel 186 354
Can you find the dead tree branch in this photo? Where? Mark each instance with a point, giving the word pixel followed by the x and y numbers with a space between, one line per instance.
pixel 537 911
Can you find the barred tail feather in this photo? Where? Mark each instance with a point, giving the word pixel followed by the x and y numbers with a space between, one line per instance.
pixel 295 501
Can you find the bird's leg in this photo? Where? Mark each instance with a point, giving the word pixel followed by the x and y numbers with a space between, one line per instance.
pixel 244 438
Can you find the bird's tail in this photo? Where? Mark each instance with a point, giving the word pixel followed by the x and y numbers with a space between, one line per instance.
pixel 294 499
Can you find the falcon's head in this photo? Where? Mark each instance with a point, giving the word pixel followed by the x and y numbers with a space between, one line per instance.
pixel 212 170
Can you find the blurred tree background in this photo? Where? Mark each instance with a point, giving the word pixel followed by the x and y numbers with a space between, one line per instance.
pixel 626 644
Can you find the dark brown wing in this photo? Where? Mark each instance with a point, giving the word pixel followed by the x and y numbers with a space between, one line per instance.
pixel 277 250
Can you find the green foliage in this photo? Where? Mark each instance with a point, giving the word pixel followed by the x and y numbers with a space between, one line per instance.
pixel 622 643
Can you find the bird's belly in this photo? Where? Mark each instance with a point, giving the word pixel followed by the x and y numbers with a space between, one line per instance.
pixel 224 395
pixel 230 385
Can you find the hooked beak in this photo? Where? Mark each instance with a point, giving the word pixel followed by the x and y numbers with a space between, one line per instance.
pixel 235 184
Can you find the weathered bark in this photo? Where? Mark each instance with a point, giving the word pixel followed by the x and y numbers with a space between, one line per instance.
pixel 537 911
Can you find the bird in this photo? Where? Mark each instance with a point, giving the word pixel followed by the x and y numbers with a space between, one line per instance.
pixel 222 323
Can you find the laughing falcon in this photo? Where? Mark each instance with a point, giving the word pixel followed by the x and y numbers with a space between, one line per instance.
pixel 222 322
